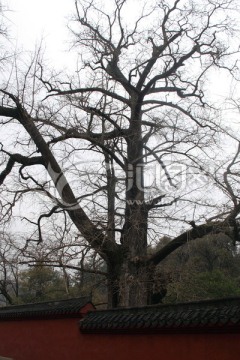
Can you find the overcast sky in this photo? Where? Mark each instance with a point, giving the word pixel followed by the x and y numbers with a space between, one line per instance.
pixel 31 20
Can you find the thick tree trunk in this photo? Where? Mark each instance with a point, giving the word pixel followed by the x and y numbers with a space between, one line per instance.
pixel 133 277
pixel 128 284
pixel 113 286
pixel 128 274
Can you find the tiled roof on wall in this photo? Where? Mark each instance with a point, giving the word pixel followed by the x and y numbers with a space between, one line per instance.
pixel 211 314
pixel 44 309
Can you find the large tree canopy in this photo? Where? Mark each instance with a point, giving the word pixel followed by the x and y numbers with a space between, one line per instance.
pixel 132 143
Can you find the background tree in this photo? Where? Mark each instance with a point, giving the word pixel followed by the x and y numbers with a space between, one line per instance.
pixel 207 268
pixel 82 272
pixel 138 97
pixel 9 269
pixel 40 283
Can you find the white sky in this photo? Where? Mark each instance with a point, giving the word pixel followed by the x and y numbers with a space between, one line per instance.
pixel 33 20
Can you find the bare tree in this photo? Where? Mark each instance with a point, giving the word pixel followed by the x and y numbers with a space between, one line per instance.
pixel 63 248
pixel 138 98
pixel 9 269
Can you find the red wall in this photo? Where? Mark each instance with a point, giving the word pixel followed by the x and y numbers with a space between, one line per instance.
pixel 60 339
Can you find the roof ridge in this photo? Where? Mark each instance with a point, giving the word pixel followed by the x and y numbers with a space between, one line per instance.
pixel 46 309
pixel 174 305
pixel 87 298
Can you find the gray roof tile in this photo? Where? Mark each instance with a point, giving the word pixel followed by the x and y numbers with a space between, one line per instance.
pixel 44 309
pixel 209 314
